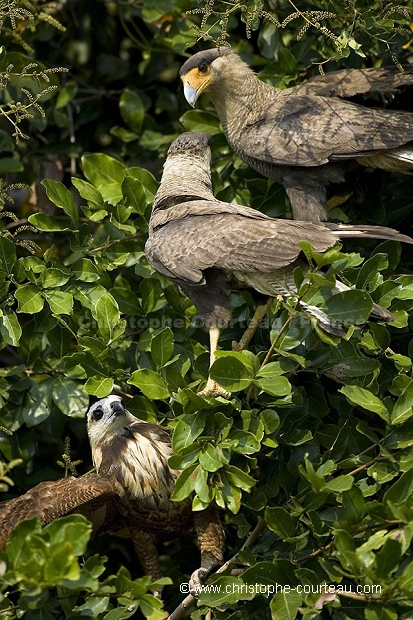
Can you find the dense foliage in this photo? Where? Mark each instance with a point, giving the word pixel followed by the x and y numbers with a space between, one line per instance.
pixel 317 436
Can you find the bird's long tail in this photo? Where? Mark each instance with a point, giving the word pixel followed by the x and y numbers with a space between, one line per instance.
pixel 367 231
pixel 281 282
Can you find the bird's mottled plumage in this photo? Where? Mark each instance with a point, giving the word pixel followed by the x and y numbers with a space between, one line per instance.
pixel 307 136
pixel 209 246
pixel 130 491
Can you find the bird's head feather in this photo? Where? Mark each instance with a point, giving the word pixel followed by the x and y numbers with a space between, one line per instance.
pixel 198 72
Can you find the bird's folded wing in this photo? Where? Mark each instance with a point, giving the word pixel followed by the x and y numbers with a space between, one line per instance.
pixel 50 500
pixel 350 82
pixel 185 247
pixel 311 131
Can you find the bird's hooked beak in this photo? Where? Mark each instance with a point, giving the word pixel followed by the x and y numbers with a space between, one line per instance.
pixel 191 94
pixel 117 409
pixel 195 82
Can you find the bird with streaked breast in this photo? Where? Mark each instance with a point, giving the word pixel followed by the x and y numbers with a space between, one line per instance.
pixel 130 493
pixel 210 247
pixel 307 136
pixel 134 455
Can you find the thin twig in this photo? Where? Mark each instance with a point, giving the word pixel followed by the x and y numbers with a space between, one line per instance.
pixel 108 245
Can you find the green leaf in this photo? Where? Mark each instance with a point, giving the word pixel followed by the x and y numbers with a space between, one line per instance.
pixel 388 559
pixel 46 223
pixel 149 183
pixel 210 458
pixel 247 443
pixel 186 432
pixel 52 277
pixel 198 120
pixel 285 605
pixel 38 402
pixel 359 396
pixel 339 484
pixel 162 347
pixel 152 385
pixel 132 110
pixel 271 421
pixel 401 491
pixel 273 384
pixel 84 269
pixel 368 271
pixel 134 194
pixel 99 386
pixel 7 255
pixel 66 94
pixel 93 197
pixel 232 370
pixel 29 299
pixel 380 612
pixel 70 397
pixel 349 308
pixel 403 408
pixel 62 198
pixel 354 507
pixel 185 484
pixel 239 478
pixel 10 329
pixel 106 174
pixel 107 315
pixel 59 301
pixel 101 169
pixel 280 522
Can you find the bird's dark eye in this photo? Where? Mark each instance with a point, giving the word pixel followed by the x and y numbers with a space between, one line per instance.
pixel 203 67
pixel 97 414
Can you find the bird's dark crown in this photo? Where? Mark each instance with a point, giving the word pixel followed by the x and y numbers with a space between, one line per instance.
pixel 190 140
pixel 204 57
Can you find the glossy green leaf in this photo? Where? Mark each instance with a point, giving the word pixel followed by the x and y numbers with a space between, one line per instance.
pixel 29 299
pixel 10 328
pixel 152 385
pixel 199 120
pixel 280 522
pixel 233 371
pixel 59 301
pixel 89 193
pixel 285 605
pixel 162 347
pixel 62 198
pixel 107 315
pixel 47 223
pixel 363 398
pixel 349 307
pixel 134 193
pixel 99 386
pixel 132 109
pixel 71 398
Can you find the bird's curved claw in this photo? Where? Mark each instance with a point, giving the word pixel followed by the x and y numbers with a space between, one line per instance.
pixel 197 581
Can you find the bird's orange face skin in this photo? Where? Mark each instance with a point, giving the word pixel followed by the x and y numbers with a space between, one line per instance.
pixel 195 82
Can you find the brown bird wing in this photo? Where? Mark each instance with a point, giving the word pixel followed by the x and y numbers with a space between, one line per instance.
pixel 233 238
pixel 52 499
pixel 351 82
pixel 310 131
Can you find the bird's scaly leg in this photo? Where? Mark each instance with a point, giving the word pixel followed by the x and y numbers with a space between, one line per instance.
pixel 211 542
pixel 212 388
pixel 260 312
